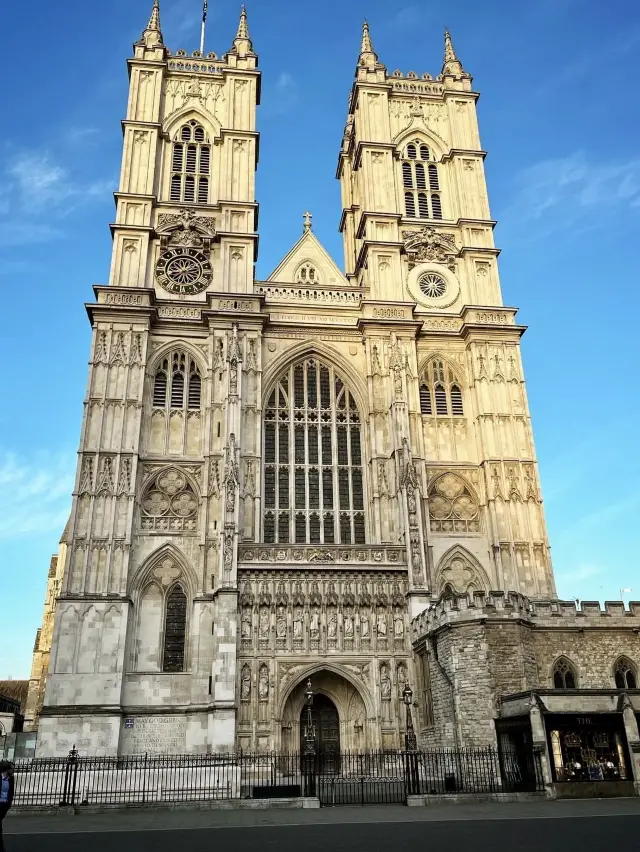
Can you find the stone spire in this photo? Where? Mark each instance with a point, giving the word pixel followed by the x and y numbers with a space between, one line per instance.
pixel 368 56
pixel 452 64
pixel 242 42
pixel 152 36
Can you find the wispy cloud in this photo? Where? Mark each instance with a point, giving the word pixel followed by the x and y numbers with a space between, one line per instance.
pixel 572 188
pixel 35 493
pixel 602 517
pixel 283 97
pixel 36 184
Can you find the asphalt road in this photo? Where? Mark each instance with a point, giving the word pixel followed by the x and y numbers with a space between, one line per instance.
pixel 454 833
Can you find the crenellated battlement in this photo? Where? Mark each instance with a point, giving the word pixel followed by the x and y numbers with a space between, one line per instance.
pixel 480 606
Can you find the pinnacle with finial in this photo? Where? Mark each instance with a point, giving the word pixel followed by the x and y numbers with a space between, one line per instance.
pixel 449 52
pixel 243 26
pixel 307 222
pixel 366 47
pixel 154 20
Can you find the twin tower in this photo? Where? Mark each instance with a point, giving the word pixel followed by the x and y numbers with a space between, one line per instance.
pixel 275 477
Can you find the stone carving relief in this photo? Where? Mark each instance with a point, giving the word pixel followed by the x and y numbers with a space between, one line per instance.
pixel 169 503
pixel 452 505
pixel 460 572
pixel 185 229
pixel 86 477
pixel 317 613
pixel 231 474
pixel 409 482
pixel 234 359
pixel 428 244
pixel 228 553
pixel 214 478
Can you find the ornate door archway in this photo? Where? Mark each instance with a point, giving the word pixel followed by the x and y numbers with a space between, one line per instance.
pixel 326 721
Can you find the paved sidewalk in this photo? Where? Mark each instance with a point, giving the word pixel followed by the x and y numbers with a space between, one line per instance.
pixel 159 820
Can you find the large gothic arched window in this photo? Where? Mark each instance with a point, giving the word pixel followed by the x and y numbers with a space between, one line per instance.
pixel 313 480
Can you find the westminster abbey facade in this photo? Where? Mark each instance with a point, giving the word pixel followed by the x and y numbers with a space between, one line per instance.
pixel 278 478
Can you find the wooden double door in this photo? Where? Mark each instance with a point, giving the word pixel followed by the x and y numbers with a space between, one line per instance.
pixel 327 726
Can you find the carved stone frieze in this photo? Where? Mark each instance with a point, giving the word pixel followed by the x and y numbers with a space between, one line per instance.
pixel 428 244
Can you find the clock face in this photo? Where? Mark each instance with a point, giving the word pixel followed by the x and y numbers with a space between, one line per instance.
pixel 183 270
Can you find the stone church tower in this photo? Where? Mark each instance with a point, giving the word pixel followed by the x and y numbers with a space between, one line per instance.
pixel 276 476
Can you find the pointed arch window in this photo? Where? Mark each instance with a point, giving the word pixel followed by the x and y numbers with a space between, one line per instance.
pixel 190 165
pixel 313 479
pixel 626 674
pixel 421 183
pixel 175 630
pixel 177 383
pixel 440 391
pixel 564 674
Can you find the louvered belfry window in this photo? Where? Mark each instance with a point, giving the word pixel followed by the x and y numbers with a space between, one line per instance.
pixel 190 165
pixel 313 490
pixel 421 183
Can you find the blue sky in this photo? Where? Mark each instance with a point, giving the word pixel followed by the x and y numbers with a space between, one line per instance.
pixel 559 118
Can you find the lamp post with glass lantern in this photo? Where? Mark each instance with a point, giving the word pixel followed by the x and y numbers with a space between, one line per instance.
pixel 309 745
pixel 410 745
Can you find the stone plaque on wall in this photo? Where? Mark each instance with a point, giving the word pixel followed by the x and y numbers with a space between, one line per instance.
pixel 154 735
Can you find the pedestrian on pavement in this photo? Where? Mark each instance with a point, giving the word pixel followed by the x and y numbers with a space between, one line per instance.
pixel 6 794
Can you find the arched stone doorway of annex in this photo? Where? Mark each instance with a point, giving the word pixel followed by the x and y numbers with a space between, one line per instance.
pixel 339 713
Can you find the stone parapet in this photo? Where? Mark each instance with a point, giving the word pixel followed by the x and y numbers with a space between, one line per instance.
pixel 480 606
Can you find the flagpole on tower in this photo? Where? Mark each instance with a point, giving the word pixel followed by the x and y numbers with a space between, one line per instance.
pixel 205 9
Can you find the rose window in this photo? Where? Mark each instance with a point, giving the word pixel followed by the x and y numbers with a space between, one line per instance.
pixel 432 285
pixel 169 504
pixel 452 507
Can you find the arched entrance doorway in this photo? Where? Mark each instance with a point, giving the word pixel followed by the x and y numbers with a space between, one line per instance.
pixel 339 714
pixel 326 722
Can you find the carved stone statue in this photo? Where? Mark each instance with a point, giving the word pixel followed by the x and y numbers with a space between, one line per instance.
pixel 231 474
pixel 398 626
pixel 402 677
pixel 281 623
pixel 332 629
pixel 297 624
pixel 385 683
pixel 245 683
pixel 348 626
pixel 364 625
pixel 382 624
pixel 314 624
pixel 264 623
pixel 246 623
pixel 263 684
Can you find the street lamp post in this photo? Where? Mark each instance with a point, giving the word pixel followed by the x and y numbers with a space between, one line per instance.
pixel 309 745
pixel 411 746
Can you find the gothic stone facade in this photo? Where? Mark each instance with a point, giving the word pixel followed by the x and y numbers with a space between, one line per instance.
pixel 276 477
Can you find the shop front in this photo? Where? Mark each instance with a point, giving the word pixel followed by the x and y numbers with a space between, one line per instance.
pixel 589 755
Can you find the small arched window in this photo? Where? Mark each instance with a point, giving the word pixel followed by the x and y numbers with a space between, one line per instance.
pixel 191 165
pixel 421 183
pixel 307 274
pixel 564 674
pixel 177 383
pixel 440 391
pixel 175 629
pixel 625 674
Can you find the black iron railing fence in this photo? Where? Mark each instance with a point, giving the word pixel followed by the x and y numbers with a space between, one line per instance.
pixel 347 778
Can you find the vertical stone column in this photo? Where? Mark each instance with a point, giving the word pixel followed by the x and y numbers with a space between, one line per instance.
pixel 633 739
pixel 539 740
